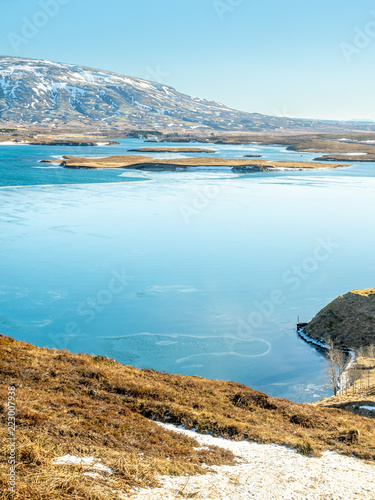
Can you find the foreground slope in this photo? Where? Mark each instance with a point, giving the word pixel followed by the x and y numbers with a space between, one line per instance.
pixel 348 321
pixel 92 406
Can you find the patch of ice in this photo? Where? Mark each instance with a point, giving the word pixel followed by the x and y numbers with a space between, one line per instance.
pixel 169 288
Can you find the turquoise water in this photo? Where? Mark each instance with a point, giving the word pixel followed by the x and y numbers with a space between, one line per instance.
pixel 199 272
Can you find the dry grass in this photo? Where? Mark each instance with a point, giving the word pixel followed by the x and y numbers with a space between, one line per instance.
pixel 339 143
pixel 352 158
pixel 55 141
pixel 349 320
pixel 171 150
pixel 92 406
pixel 361 393
pixel 133 161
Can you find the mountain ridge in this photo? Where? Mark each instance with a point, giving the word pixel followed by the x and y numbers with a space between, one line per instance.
pixel 53 94
pixel 68 93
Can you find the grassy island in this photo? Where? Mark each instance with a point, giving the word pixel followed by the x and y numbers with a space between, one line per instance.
pixel 144 163
pixel 171 150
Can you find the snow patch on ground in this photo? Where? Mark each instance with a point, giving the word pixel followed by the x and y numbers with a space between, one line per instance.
pixel 268 472
pixel 90 462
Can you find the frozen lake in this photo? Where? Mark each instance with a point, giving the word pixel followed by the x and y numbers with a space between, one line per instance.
pixel 201 273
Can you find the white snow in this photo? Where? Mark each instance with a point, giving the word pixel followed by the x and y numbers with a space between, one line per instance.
pixel 75 91
pixel 83 461
pixel 142 106
pixel 9 87
pixel 308 339
pixel 145 85
pixel 10 143
pixel 368 408
pixel 265 472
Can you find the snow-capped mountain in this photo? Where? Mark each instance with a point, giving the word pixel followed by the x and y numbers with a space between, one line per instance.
pixel 43 92
pixel 33 91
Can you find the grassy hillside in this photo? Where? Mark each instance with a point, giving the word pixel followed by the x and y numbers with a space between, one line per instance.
pixel 349 320
pixel 92 406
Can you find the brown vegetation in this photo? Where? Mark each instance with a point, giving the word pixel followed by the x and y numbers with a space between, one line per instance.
pixel 144 162
pixel 52 139
pixel 349 320
pixel 338 144
pixel 171 150
pixel 366 157
pixel 92 406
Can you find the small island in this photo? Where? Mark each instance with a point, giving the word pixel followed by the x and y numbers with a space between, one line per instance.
pixel 74 142
pixel 351 157
pixel 34 141
pixel 138 162
pixel 171 150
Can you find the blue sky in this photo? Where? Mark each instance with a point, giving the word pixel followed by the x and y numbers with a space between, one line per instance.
pixel 274 57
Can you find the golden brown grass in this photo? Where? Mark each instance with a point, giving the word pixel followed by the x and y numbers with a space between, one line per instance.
pixel 362 389
pixel 294 140
pixel 348 321
pixel 367 157
pixel 171 150
pixel 134 161
pixel 92 406
pixel 314 143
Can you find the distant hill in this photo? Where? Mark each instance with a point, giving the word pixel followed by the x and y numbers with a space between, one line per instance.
pixel 62 95
pixel 349 320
